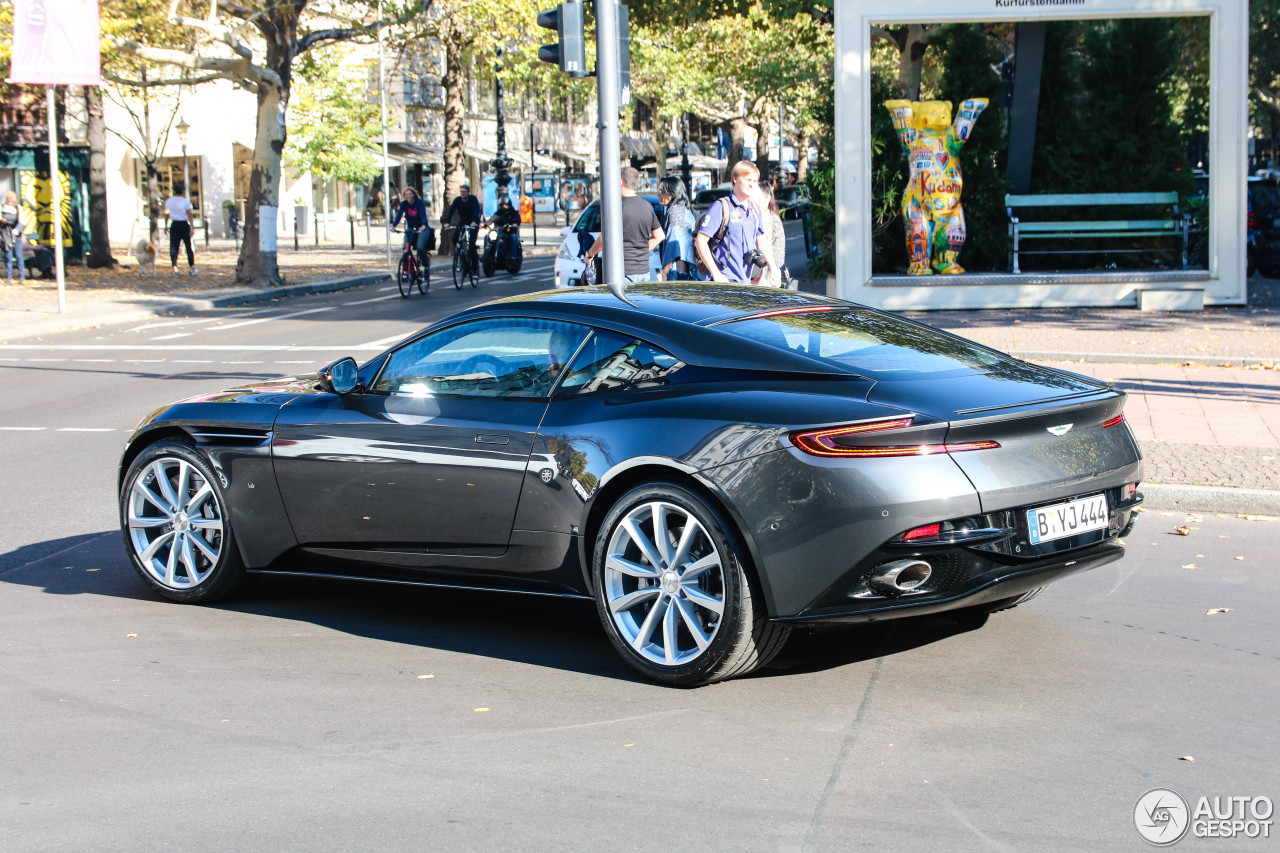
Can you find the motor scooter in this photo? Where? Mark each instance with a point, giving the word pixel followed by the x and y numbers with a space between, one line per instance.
pixel 502 249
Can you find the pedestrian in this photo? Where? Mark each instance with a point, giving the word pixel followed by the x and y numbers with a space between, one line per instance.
pixel 179 208
pixel 677 251
pixel 730 232
pixel 776 237
pixel 641 231
pixel 11 235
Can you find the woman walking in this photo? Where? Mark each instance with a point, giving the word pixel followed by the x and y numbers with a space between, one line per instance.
pixel 677 252
pixel 179 207
pixel 11 236
pixel 777 237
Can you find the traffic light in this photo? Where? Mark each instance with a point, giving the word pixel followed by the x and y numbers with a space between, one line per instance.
pixel 570 51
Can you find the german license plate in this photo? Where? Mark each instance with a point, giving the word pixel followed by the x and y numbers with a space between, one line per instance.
pixel 1067 519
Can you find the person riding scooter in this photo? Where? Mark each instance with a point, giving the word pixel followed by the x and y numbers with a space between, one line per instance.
pixel 502 247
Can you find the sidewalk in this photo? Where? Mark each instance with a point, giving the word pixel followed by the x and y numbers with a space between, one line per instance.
pixel 1204 387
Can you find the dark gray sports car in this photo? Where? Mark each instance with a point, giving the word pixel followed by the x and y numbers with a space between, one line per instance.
pixel 712 464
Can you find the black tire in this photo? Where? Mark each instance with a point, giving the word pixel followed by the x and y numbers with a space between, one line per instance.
pixel 677 594
pixel 488 267
pixel 424 277
pixel 473 272
pixel 207 565
pixel 514 264
pixel 459 269
pixel 404 277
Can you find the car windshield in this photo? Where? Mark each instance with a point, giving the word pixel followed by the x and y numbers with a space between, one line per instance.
pixel 867 343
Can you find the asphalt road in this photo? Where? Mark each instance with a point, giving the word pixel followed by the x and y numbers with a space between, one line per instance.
pixel 312 715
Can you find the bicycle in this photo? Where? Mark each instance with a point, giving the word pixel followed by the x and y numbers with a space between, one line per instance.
pixel 463 268
pixel 411 271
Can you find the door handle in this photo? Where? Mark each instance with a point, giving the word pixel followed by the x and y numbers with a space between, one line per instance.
pixel 493 439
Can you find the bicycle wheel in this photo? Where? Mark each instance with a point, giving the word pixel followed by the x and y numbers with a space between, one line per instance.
pixel 459 269
pixel 404 276
pixel 473 270
pixel 424 277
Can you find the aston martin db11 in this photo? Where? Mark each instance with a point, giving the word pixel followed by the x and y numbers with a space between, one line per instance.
pixel 711 464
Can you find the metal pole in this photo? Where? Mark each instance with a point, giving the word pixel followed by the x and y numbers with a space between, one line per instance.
pixel 610 168
pixel 386 169
pixel 533 205
pixel 55 199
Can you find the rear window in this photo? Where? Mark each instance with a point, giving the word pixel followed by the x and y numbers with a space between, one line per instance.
pixel 868 343
pixel 1264 197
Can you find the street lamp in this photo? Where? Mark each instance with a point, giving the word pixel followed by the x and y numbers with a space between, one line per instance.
pixel 502 162
pixel 183 129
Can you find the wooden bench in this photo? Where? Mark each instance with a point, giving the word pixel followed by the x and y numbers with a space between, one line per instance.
pixel 1176 226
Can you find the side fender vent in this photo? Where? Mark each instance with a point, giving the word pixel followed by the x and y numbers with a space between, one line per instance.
pixel 233 437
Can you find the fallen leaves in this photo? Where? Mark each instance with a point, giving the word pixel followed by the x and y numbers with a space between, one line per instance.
pixel 431 675
pixel 1190 566
pixel 1182 530
pixel 1185 758
pixel 481 710
pixel 1214 610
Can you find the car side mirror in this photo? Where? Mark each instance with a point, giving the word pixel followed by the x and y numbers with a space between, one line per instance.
pixel 340 377
pixel 566 231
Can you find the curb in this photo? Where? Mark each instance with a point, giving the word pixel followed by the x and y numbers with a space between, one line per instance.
pixel 1139 358
pixel 1210 499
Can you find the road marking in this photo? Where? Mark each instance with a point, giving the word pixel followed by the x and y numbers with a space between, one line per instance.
pixel 374 299
pixel 46 359
pixel 386 342
pixel 270 319
pixel 175 335
pixel 186 321
pixel 95 360
pixel 308 361
pixel 191 361
pixel 85 429
pixel 243 362
pixel 22 429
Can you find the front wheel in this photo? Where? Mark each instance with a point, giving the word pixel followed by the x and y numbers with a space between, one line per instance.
pixel 175 525
pixel 459 269
pixel 672 593
pixel 488 261
pixel 404 276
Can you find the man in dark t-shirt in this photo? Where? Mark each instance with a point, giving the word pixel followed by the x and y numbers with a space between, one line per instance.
pixel 641 230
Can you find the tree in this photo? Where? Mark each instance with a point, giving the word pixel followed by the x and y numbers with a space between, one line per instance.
pixel 332 125
pixel 99 238
pixel 254 44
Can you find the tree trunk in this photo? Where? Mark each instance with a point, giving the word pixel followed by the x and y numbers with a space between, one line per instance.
pixel 802 154
pixel 911 62
pixel 737 132
pixel 761 122
pixel 99 239
pixel 454 151
pixel 258 265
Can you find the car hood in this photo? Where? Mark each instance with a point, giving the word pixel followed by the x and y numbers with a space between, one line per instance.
pixel 274 392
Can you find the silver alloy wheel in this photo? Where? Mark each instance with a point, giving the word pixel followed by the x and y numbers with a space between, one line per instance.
pixel 662 568
pixel 175 522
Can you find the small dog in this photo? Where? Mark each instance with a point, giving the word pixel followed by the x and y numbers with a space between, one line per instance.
pixel 146 254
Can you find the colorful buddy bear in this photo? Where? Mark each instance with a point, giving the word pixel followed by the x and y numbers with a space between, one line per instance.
pixel 931 207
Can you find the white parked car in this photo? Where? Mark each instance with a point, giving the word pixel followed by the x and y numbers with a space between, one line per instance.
pixel 569 263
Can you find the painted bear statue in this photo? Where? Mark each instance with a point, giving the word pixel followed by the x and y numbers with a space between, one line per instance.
pixel 931 207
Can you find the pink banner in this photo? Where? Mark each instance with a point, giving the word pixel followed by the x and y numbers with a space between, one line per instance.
pixel 55 42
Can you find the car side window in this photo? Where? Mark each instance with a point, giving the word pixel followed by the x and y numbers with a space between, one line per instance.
pixel 499 357
pixel 610 362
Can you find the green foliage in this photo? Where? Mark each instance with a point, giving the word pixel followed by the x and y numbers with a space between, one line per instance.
pixel 821 181
pixel 332 127
pixel 889 171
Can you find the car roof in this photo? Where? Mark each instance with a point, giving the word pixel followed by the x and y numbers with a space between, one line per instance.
pixel 677 317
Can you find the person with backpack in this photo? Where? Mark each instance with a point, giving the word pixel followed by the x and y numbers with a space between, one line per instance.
pixel 730 235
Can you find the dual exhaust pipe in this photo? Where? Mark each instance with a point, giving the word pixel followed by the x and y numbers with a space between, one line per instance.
pixel 899 577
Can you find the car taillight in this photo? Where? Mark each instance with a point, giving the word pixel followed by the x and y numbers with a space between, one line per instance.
pixel 1116 421
pixel 929 531
pixel 1252 221
pixel 823 442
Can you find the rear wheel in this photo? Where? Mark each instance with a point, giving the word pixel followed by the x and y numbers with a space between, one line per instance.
pixel 175 525
pixel 514 263
pixel 404 276
pixel 672 592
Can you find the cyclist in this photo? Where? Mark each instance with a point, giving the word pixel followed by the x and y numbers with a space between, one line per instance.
pixel 469 212
pixel 414 212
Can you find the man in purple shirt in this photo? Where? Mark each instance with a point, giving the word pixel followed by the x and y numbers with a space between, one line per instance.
pixel 730 258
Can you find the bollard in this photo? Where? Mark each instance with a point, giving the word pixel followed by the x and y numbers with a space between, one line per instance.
pixel 315 226
pixel 352 220
pixel 368 237
pixel 295 232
